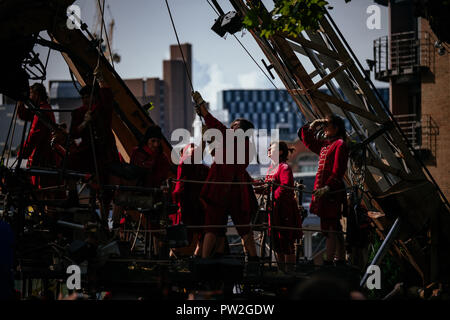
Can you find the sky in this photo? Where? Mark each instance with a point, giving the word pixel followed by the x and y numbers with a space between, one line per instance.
pixel 143 33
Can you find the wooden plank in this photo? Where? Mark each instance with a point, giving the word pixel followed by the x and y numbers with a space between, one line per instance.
pixel 315 46
pixel 397 172
pixel 302 78
pixel 346 106
pixel 331 75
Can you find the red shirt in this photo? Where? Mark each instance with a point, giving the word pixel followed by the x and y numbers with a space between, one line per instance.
pixel 187 195
pixel 285 209
pixel 221 194
pixel 105 143
pixel 333 158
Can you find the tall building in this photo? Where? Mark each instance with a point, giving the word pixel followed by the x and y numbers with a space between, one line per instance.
pixel 179 107
pixel 419 80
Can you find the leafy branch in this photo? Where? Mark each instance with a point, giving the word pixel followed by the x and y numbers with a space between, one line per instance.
pixel 288 16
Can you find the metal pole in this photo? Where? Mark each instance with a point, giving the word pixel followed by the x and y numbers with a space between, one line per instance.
pixel 383 249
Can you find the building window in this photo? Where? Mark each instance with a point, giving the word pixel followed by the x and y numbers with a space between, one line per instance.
pixel 255 96
pixel 259 108
pixel 263 95
pixel 272 95
pixel 277 107
pixel 228 96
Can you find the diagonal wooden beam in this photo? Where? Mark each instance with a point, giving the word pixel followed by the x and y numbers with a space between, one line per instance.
pixel 331 75
pixel 346 106
pixel 315 46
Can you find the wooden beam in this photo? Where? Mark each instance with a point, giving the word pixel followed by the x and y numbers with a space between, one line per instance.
pixel 331 75
pixel 315 46
pixel 346 106
pixel 411 162
pixel 386 168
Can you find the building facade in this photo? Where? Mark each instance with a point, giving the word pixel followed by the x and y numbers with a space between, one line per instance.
pixel 418 74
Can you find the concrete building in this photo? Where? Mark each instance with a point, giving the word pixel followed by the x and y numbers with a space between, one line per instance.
pixel 419 83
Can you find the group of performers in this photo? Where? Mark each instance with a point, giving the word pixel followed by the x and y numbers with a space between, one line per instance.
pixel 207 205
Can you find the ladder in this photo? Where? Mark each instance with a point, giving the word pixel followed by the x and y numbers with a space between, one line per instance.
pixel 396 182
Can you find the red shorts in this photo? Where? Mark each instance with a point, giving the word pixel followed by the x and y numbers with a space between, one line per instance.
pixel 218 215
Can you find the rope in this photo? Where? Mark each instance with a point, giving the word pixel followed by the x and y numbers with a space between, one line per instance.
pixel 251 182
pixel 264 226
pixel 106 34
pixel 260 68
pixel 91 133
pixel 179 45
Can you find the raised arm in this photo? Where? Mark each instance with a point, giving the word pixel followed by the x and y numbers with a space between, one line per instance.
pixel 307 136
pixel 201 110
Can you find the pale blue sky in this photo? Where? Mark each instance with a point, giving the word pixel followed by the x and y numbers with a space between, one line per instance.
pixel 143 34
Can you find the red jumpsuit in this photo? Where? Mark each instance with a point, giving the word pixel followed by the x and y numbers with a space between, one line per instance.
pixel 333 157
pixel 105 143
pixel 37 147
pixel 285 209
pixel 239 201
pixel 187 195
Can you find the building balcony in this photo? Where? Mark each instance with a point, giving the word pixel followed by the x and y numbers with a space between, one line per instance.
pixel 421 133
pixel 403 57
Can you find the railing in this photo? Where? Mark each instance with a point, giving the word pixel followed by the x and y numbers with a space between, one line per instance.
pixel 421 133
pixel 404 53
pixel 410 125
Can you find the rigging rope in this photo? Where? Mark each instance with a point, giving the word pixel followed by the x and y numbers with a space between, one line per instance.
pixel 179 45
pixel 259 67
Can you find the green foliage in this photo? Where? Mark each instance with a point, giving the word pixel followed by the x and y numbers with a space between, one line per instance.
pixel 289 16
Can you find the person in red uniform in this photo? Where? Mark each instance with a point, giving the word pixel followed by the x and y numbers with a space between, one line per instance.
pixel 94 116
pixel 219 200
pixel 37 147
pixel 97 114
pixel 285 212
pixel 329 196
pixel 186 195
pixel 149 156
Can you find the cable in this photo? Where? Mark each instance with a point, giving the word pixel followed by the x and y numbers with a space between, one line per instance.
pixel 179 45
pixel 106 33
pixel 260 68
